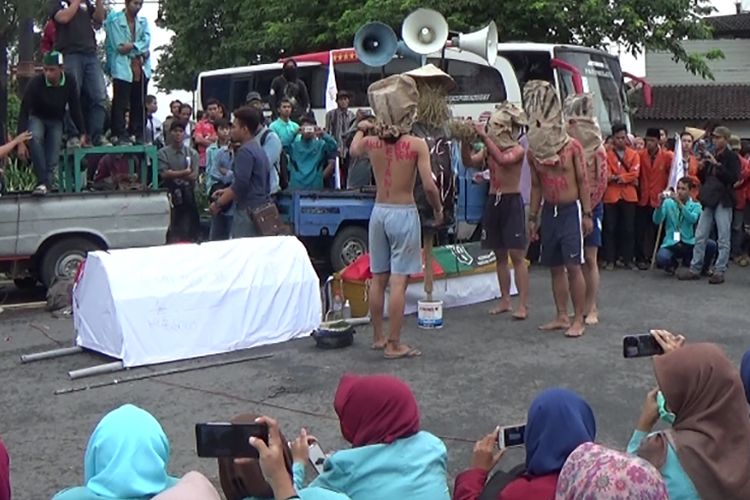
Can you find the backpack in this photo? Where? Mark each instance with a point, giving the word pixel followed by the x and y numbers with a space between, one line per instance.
pixel 442 173
pixel 281 166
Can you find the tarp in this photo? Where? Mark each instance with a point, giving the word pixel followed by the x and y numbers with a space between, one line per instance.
pixel 160 304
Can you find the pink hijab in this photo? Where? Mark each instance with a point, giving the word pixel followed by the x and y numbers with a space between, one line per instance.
pixel 4 472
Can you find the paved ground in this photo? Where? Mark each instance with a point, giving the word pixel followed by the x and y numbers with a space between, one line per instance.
pixel 476 373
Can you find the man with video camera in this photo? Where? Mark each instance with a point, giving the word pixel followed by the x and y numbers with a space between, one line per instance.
pixel 717 171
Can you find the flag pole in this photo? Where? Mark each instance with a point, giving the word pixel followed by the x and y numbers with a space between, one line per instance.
pixel 676 172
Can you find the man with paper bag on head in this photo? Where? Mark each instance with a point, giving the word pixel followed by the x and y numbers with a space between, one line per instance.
pixel 581 124
pixel 395 229
pixel 504 218
pixel 558 175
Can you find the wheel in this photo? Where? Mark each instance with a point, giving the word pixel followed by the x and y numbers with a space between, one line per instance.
pixel 349 244
pixel 25 283
pixel 61 259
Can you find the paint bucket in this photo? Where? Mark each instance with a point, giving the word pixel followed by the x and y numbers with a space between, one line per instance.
pixel 430 314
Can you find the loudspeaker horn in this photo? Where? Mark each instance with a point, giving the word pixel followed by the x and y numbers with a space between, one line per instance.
pixel 425 31
pixel 375 44
pixel 482 43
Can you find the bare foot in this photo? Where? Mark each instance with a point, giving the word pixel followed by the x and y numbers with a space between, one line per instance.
pixel 557 324
pixel 401 351
pixel 502 307
pixel 521 313
pixel 378 345
pixel 575 330
pixel 592 318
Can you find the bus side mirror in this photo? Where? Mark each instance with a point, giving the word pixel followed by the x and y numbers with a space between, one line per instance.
pixel 648 98
pixel 574 73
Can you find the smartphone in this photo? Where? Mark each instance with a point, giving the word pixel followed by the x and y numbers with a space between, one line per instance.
pixel 639 346
pixel 511 436
pixel 307 129
pixel 224 439
pixel 317 457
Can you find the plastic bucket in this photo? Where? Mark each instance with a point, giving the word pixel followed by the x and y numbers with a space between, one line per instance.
pixel 430 314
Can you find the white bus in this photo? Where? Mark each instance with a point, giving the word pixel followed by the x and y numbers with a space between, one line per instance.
pixel 571 68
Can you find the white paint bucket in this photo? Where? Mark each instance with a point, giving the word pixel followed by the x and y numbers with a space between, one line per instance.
pixel 430 314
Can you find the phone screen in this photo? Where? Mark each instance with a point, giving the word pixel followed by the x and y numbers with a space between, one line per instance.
pixel 317 457
pixel 638 346
pixel 224 439
pixel 510 436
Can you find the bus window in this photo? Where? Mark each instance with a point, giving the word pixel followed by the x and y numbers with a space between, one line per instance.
pixel 215 87
pixel 313 76
pixel 355 78
pixel 530 65
pixel 240 88
pixel 476 83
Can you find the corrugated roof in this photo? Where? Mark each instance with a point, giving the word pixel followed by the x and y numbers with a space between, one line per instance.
pixel 735 25
pixel 696 102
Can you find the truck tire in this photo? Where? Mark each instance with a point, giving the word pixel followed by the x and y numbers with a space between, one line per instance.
pixel 62 258
pixel 349 243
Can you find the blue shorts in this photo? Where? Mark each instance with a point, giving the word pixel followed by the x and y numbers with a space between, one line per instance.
pixel 595 238
pixel 395 239
pixel 561 235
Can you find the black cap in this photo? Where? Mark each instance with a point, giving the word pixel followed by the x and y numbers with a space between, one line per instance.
pixel 653 133
pixel 253 96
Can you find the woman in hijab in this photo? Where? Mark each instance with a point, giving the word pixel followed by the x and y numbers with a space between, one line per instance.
pixel 558 421
pixel 705 452
pixel 4 472
pixel 126 458
pixel 389 455
pixel 745 374
pixel 593 471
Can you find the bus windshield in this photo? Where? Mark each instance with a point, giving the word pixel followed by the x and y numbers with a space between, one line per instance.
pixel 602 77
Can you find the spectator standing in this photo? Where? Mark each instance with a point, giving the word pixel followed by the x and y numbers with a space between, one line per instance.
pixel 154 126
pixel 284 127
pixel 656 163
pixel 43 113
pixel 219 175
pixel 740 197
pixel 620 199
pixel 255 100
pixel 359 168
pixel 75 22
pixel 205 133
pixel 680 213
pixel 289 86
pixel 250 187
pixel 128 50
pixel 718 172
pixel 271 144
pixel 178 169
pixel 308 155
pixel 174 109
pixel 339 121
pixel 186 114
pixel 690 163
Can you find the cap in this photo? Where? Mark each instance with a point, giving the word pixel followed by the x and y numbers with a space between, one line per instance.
pixel 722 132
pixel 53 58
pixel 253 96
pixel 653 133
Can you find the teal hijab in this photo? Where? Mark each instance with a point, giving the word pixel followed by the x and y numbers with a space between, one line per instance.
pixel 126 458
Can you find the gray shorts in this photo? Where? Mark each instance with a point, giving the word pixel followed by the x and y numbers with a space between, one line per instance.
pixel 395 239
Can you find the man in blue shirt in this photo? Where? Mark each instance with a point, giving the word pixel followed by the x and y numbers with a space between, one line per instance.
pixel 250 187
pixel 679 214
pixel 219 175
pixel 309 155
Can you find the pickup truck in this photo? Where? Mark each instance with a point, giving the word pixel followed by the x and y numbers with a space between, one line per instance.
pixel 42 238
pixel 333 223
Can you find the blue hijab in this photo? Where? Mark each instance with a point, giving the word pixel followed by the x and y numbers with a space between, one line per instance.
pixel 745 374
pixel 126 457
pixel 559 421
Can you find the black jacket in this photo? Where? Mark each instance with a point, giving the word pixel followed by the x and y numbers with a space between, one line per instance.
pixel 717 180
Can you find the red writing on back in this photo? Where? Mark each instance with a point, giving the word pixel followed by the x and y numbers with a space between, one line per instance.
pixel 554 186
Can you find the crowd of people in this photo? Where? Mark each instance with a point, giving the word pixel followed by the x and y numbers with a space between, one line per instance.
pixel 700 400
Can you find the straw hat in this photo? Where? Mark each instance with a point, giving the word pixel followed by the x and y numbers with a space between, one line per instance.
pixel 432 73
pixel 697 133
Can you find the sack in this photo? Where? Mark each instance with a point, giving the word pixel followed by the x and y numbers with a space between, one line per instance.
pixel 268 221
pixel 442 173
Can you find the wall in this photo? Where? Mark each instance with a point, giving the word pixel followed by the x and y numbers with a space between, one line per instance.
pixel 734 68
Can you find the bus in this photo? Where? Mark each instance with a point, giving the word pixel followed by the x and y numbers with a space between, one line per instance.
pixel 480 86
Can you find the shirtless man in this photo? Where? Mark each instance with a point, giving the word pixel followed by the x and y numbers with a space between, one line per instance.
pixel 395 231
pixel 582 125
pixel 503 222
pixel 558 175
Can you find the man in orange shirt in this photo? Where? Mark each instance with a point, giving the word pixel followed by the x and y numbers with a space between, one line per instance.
pixel 690 163
pixel 620 199
pixel 656 162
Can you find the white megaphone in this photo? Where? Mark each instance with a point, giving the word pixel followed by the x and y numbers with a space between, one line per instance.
pixel 375 44
pixel 425 31
pixel 482 43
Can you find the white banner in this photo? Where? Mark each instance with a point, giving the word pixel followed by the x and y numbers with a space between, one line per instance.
pixel 677 171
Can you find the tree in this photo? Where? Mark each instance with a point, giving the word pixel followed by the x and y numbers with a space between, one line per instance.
pixel 210 34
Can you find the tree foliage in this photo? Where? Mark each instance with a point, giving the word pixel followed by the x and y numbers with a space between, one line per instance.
pixel 210 34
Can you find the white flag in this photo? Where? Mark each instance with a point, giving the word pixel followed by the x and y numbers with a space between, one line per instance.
pixel 677 171
pixel 331 91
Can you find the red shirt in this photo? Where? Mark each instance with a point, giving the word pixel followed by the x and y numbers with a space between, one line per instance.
pixel 205 130
pixel 470 483
pixel 654 176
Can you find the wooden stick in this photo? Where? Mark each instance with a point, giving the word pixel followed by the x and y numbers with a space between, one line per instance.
pixel 656 244
pixel 428 277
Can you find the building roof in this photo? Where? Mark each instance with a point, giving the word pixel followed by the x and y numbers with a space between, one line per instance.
pixel 696 102
pixel 735 25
